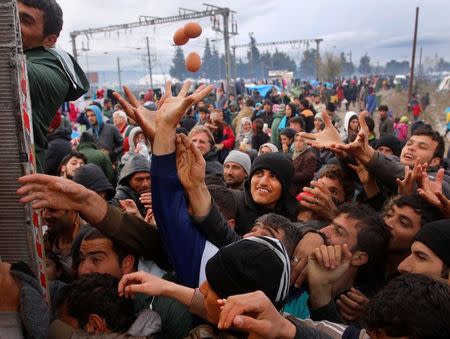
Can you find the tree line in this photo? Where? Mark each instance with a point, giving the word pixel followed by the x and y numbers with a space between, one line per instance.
pixel 256 65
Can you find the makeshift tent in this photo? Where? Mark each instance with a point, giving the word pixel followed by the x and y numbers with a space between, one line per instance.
pixel 262 89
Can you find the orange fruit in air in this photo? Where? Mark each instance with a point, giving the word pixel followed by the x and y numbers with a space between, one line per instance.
pixel 179 38
pixel 193 62
pixel 192 30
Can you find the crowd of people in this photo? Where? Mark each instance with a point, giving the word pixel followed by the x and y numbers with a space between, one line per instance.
pixel 205 215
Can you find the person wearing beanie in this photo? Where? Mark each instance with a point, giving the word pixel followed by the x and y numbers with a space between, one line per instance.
pixel 389 145
pixel 107 136
pixel 89 149
pixel 92 177
pixel 134 183
pixel 236 169
pixel 430 252
pixel 252 264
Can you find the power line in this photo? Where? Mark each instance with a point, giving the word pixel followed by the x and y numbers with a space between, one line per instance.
pixel 211 11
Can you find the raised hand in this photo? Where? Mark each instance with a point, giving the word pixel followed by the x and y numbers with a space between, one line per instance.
pixel 146 199
pixel 363 174
pixel 407 186
pixel 326 266
pixel 319 200
pixel 141 282
pixel 10 297
pixel 190 163
pixel 329 136
pixel 129 206
pixel 360 147
pixel 367 180
pixel 432 192
pixel 304 248
pixel 352 304
pixel 46 191
pixel 170 109
pixel 254 313
pixel 136 111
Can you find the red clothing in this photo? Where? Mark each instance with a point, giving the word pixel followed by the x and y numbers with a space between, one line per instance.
pixel 340 94
pixel 416 110
pixel 228 137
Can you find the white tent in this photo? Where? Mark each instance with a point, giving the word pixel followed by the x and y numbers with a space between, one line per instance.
pixel 445 84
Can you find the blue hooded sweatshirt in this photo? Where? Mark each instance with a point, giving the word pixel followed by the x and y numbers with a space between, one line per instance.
pixel 99 115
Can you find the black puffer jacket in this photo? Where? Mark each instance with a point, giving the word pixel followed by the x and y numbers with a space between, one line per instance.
pixel 58 147
pixel 214 169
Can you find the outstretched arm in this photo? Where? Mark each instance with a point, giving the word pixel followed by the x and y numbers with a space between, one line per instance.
pixel 45 191
pixel 185 244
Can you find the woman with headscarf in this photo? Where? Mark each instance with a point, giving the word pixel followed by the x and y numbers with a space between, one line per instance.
pixel 245 134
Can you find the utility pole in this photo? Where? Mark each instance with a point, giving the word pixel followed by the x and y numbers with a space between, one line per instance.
pixel 413 58
pixel 420 64
pixel 252 66
pixel 318 41
pixel 119 73
pixel 149 63
pixel 226 39
pixel 211 11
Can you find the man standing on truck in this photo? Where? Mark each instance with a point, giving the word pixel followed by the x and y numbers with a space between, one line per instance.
pixel 53 75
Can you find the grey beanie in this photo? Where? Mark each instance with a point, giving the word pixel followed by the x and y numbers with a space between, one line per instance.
pixel 240 158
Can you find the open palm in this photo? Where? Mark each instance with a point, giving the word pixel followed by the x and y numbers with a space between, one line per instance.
pixel 329 136
pixel 170 109
pixel 190 163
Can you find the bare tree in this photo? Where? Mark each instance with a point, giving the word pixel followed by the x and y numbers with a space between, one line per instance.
pixel 330 67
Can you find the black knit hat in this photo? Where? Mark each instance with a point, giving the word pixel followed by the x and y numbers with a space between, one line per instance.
pixel 390 141
pixel 436 236
pixel 289 132
pixel 93 178
pixel 248 265
pixel 86 137
pixel 277 163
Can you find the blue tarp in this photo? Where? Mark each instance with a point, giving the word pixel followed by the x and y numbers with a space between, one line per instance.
pixel 262 89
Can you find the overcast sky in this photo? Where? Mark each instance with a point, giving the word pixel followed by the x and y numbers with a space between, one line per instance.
pixel 381 28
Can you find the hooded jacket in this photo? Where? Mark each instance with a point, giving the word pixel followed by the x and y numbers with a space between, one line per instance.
pixel 34 313
pixel 248 211
pixel 106 136
pixel 347 118
pixel 58 147
pixel 95 156
pixel 132 147
pixel 275 137
pixel 134 165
